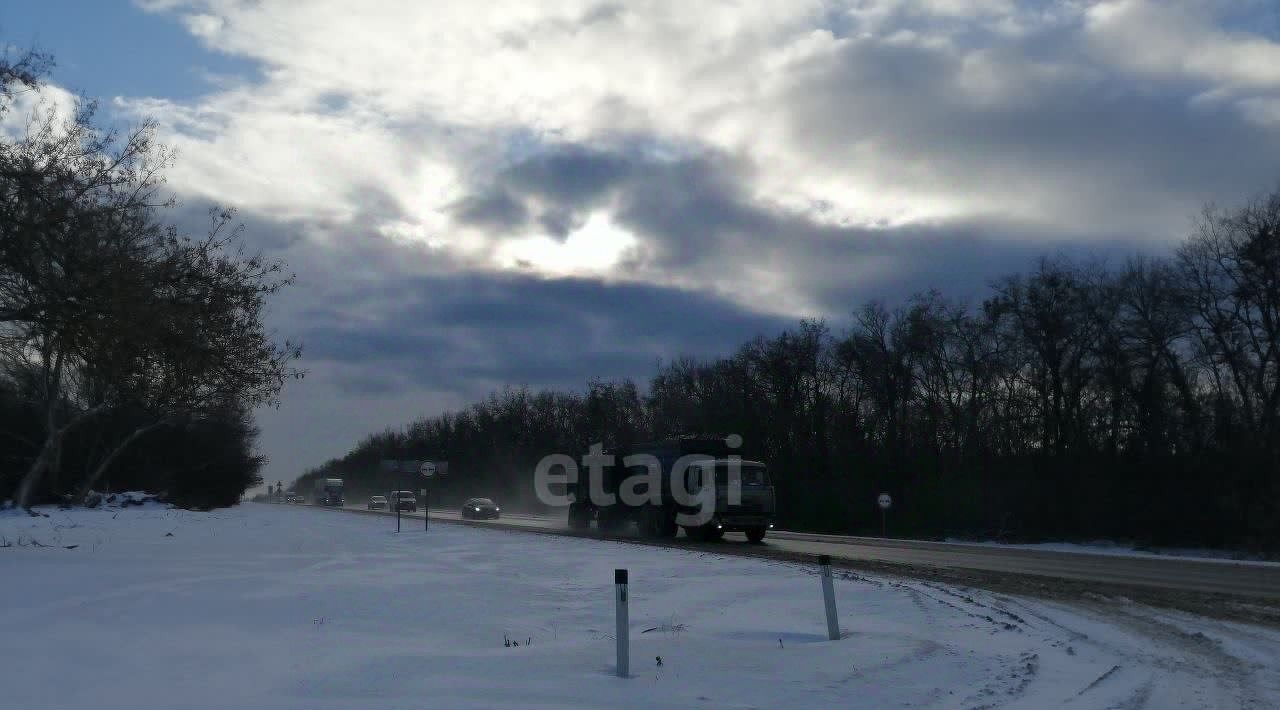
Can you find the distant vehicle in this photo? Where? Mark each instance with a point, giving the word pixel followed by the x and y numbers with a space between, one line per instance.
pixel 743 501
pixel 328 491
pixel 480 509
pixel 405 501
pixel 377 503
pixel 293 498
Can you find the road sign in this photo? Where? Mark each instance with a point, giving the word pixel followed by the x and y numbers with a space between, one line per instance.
pixel 395 466
pixel 884 501
pixel 427 469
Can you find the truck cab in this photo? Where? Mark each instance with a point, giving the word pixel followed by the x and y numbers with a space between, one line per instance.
pixel 744 498
pixel 740 493
pixel 328 492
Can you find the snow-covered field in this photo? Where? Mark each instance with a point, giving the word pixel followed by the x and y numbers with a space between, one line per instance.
pixel 267 606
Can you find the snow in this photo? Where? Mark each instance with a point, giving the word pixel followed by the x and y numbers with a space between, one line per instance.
pixel 1122 549
pixel 270 606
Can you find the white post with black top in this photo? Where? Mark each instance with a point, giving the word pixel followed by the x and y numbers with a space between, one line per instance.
pixel 624 659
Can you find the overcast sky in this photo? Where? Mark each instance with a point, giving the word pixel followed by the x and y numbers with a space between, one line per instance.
pixel 481 194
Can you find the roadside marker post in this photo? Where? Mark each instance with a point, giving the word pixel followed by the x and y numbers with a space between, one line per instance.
pixel 624 651
pixel 425 469
pixel 829 598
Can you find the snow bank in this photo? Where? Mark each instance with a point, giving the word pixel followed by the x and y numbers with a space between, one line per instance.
pixel 94 499
pixel 266 606
pixel 1111 547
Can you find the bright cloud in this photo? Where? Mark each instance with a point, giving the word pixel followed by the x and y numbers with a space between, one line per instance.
pixel 594 247
pixel 845 106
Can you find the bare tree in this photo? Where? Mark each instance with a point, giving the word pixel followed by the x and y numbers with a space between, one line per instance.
pixel 22 72
pixel 112 306
pixel 65 263
pixel 1232 271
pixel 204 349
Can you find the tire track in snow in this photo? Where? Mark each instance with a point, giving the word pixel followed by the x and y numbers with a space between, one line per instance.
pixel 967 595
pixel 996 625
pixel 1009 685
pixel 1136 700
pixel 1202 655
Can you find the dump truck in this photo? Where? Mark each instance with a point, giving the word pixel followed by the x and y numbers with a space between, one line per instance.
pixel 328 491
pixel 705 488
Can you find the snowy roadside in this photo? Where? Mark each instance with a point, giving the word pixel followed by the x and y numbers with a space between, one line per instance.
pixel 1123 549
pixel 276 607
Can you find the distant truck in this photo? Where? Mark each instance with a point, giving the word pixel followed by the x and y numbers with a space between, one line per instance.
pixel 328 491
pixel 739 493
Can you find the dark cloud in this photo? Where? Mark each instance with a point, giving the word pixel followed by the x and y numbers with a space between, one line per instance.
pixel 694 216
pixel 603 13
pixel 560 184
pixel 695 211
pixel 195 218
pixel 495 209
pixel 687 209
pixel 960 260
pixel 471 333
pixel 569 174
pixel 559 222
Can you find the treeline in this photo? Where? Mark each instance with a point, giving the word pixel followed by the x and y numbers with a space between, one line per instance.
pixel 131 352
pixel 1138 402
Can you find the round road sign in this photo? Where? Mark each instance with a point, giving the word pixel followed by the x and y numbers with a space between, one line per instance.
pixel 885 501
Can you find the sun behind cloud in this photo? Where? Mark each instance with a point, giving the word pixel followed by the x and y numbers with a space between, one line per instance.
pixel 591 249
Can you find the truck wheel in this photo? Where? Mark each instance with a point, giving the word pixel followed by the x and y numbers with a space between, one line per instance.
pixel 579 517
pixel 704 533
pixel 667 527
pixel 609 521
pixel 647 524
pixel 655 521
pixel 756 535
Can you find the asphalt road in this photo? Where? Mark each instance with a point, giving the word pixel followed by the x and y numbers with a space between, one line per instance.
pixel 1257 580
